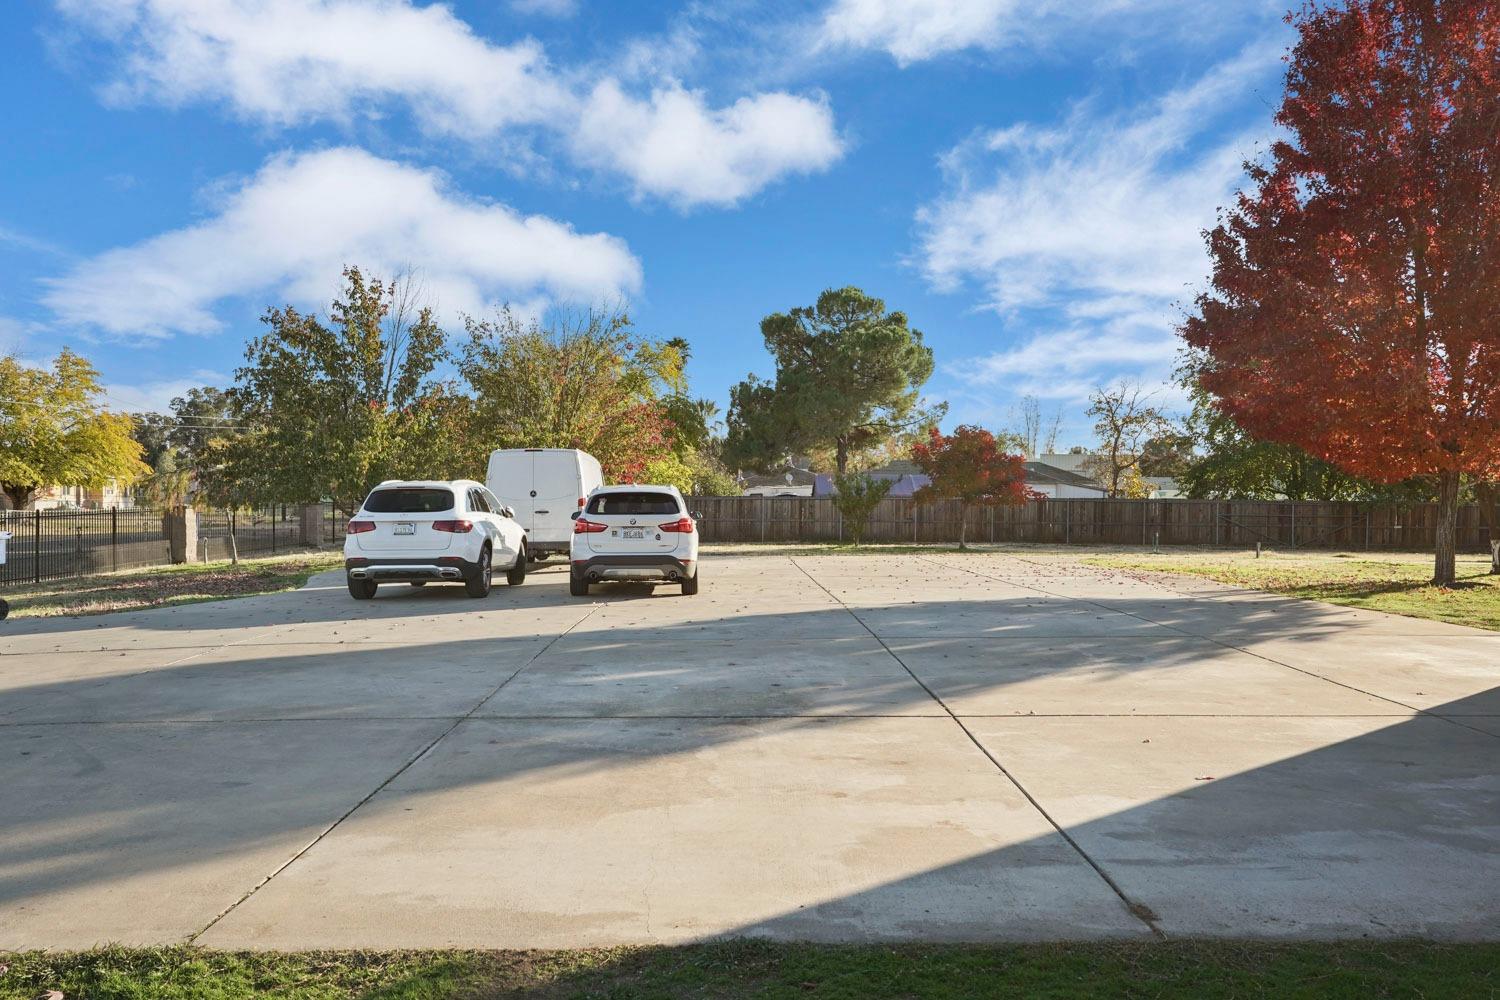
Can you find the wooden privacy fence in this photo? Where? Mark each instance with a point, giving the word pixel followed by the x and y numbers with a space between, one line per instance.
pixel 1238 524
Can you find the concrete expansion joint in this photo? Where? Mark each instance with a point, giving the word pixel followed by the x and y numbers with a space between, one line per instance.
pixel 393 776
pixel 1140 911
pixel 1414 709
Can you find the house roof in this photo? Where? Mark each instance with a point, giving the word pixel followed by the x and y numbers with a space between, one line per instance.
pixel 759 480
pixel 1039 472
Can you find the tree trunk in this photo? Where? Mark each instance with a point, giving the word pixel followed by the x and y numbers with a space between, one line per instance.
pixel 842 456
pixel 1445 571
pixel 18 495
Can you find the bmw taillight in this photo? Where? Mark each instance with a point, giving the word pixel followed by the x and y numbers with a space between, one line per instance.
pixel 360 527
pixel 583 526
pixel 582 501
pixel 684 524
pixel 457 527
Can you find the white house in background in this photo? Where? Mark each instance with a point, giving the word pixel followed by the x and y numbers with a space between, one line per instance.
pixel 1077 463
pixel 790 482
pixel 906 478
pixel 1061 484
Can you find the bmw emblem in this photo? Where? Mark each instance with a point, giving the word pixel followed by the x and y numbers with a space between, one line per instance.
pixel 632 520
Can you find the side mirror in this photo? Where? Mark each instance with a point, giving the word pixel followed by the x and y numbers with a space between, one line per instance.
pixel 509 512
pixel 574 515
pixel 696 515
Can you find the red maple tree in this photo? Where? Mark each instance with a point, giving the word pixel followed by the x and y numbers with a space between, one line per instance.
pixel 1355 304
pixel 969 466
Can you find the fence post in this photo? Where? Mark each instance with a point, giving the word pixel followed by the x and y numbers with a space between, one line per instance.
pixel 1067 522
pixel 310 526
pixel 992 525
pixel 182 525
pixel 1294 524
pixel 114 538
pixel 36 562
pixel 764 513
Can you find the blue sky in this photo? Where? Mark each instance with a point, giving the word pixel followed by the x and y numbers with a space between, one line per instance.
pixel 1027 179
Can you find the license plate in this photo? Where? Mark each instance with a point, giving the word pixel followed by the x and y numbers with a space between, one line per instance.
pixel 406 528
pixel 634 533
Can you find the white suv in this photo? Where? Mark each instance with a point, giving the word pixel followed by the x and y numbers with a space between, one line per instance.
pixel 416 532
pixel 634 533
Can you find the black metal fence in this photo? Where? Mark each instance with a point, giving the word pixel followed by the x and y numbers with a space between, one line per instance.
pixel 50 544
pixel 223 534
pixel 57 544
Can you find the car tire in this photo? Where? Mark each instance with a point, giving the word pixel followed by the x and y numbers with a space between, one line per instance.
pixel 690 585
pixel 516 575
pixel 577 585
pixel 362 590
pixel 478 585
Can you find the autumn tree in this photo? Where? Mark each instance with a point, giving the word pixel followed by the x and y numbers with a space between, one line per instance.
pixel 1356 282
pixel 1228 463
pixel 1124 420
pixel 848 377
pixel 969 466
pixel 332 409
pixel 580 380
pixel 54 429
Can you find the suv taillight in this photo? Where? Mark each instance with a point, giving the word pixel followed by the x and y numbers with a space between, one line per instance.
pixel 582 501
pixel 583 526
pixel 684 524
pixel 457 527
pixel 360 527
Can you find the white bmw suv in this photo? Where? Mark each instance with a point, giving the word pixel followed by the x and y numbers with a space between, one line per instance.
pixel 417 532
pixel 634 533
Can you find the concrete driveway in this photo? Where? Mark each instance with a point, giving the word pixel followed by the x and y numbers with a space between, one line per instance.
pixel 891 747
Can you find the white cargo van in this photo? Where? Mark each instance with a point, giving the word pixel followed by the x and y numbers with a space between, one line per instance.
pixel 546 486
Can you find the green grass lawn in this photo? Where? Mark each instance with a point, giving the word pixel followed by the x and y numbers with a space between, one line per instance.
pixel 165 586
pixel 1397 583
pixel 1165 971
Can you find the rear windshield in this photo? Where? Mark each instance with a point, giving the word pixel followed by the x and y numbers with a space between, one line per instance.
pixel 420 500
pixel 633 503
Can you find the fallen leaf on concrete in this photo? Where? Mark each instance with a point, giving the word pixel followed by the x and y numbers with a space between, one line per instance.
pixel 1206 777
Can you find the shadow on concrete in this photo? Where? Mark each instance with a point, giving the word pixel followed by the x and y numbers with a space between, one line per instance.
pixel 1391 831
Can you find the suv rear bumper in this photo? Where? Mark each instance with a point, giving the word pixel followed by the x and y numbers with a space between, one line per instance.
pixel 642 567
pixel 451 568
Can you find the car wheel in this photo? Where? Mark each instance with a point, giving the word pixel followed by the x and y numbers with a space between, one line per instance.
pixel 4 610
pixel 516 575
pixel 478 585
pixel 690 585
pixel 362 590
pixel 577 585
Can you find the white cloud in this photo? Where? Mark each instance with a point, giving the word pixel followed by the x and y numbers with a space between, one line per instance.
pixel 1101 218
pixel 545 8
pixel 674 146
pixel 288 62
pixel 915 30
pixel 289 229
pixel 157 396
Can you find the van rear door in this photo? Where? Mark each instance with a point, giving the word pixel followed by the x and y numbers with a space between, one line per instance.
pixel 509 478
pixel 556 483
